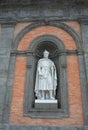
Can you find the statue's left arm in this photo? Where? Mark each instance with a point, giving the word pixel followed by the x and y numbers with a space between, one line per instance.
pixel 54 77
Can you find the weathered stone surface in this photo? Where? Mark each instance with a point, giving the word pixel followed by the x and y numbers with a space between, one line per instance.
pixel 42 10
pixel 84 27
pixel 5 46
pixel 27 127
pixel 45 10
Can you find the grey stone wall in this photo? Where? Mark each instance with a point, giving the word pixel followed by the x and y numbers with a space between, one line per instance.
pixel 31 10
pixel 27 127
pixel 84 31
pixel 6 38
pixel 13 11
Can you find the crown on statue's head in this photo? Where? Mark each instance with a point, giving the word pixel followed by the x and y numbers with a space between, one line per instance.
pixel 46 52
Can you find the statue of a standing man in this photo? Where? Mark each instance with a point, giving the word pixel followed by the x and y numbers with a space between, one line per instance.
pixel 46 78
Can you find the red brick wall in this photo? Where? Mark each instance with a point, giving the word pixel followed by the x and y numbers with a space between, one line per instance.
pixel 74 89
pixel 75 25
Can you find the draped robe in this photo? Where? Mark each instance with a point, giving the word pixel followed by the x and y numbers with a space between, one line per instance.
pixel 46 77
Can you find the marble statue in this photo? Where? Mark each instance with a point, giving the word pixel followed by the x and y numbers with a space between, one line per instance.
pixel 46 78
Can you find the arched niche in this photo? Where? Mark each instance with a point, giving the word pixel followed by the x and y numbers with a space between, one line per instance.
pixel 53 55
pixel 64 109
pixel 55 47
pixel 50 23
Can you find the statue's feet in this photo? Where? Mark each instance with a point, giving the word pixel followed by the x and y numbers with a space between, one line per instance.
pixel 52 98
pixel 42 98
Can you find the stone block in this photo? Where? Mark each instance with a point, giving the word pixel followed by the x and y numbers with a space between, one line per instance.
pixel 46 104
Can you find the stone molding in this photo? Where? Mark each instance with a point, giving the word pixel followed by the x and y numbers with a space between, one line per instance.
pixel 60 52
pixel 50 23
pixel 30 3
pixel 31 111
pixel 39 127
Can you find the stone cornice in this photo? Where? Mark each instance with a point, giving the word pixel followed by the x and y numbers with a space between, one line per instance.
pixel 83 20
pixel 42 13
pixel 61 52
pixel 47 3
pixel 38 10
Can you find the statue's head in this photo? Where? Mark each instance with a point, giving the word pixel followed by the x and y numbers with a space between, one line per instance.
pixel 46 53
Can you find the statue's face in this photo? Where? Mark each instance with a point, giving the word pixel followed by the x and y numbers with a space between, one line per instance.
pixel 46 55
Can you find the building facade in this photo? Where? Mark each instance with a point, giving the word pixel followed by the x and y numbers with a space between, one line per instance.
pixel 27 28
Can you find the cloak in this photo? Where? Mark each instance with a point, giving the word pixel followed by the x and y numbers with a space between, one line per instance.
pixel 46 76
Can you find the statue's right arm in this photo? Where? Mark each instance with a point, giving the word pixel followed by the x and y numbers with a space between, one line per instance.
pixel 39 68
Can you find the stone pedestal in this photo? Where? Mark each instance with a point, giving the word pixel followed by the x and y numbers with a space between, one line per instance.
pixel 46 104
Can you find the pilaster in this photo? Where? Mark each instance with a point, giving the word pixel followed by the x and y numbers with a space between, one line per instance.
pixel 6 39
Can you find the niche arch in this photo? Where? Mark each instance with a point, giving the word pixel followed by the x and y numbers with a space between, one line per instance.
pixel 55 46
pixel 13 61
pixel 61 25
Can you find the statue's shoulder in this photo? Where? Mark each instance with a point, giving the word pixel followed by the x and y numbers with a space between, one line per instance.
pixel 50 61
pixel 41 60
